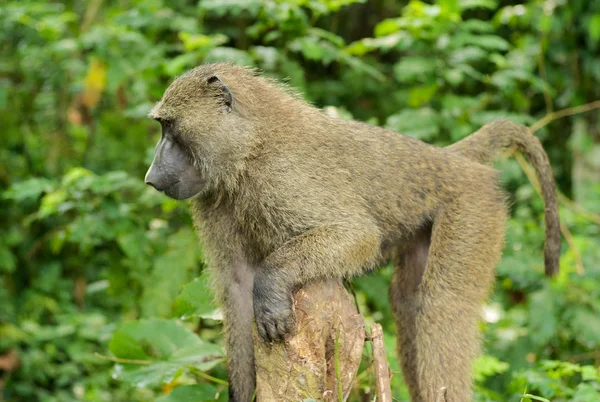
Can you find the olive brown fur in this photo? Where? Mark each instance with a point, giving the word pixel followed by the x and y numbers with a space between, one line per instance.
pixel 283 194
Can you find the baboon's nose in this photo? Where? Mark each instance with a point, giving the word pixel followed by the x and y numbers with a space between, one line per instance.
pixel 151 178
pixel 152 184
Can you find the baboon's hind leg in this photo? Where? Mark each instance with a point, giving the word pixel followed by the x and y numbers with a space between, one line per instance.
pixel 437 291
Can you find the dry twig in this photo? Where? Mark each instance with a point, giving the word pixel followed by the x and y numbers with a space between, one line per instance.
pixel 382 371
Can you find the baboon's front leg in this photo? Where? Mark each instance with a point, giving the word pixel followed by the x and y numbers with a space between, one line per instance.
pixel 324 252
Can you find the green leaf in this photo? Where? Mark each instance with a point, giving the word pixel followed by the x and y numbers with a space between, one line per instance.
pixel 229 54
pixel 164 350
pixel 590 373
pixel 52 203
pixel 543 321
pixel 387 27
pixel 481 118
pixel 467 54
pixel 195 299
pixel 234 7
pixel 309 46
pixel 594 28
pixel 420 95
pixel 418 123
pixel 193 393
pixel 180 63
pixel 74 175
pixel 486 366
pixel 450 8
pixel 359 65
pixel 586 392
pixel 470 4
pixel 130 242
pixel 585 325
pixel 477 26
pixel 401 40
pixel 30 189
pixel 535 398
pixel 8 262
pixel 193 42
pixel 335 5
pixel 170 272
pixel 415 69
pixel 488 42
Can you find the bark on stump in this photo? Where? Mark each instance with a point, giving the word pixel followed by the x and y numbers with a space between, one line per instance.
pixel 327 346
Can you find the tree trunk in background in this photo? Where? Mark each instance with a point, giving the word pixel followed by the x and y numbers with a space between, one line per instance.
pixel 321 360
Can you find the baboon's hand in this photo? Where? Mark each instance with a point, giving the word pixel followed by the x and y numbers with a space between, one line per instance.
pixel 273 308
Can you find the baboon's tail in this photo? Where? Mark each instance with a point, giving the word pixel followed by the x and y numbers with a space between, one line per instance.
pixel 483 145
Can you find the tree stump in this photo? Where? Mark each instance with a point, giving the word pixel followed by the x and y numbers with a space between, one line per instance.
pixel 321 359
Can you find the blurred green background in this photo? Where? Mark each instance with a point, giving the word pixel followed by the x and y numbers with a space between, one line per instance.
pixel 98 300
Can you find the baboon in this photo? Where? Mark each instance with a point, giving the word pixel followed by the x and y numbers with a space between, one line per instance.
pixel 282 195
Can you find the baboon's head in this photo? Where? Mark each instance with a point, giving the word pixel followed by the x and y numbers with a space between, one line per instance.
pixel 203 138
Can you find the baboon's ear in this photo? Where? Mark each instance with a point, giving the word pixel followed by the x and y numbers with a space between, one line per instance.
pixel 223 91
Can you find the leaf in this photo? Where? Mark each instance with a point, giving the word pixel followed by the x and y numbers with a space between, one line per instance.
pixel 51 203
pixel 180 63
pixel 130 242
pixel 330 37
pixel 30 189
pixel 229 54
pixel 590 373
pixel 469 4
pixel 420 95
pixel 475 25
pixel 466 55
pixel 195 299
pixel 487 366
pixel 481 118
pixel 535 398
pixel 95 81
pixel 488 42
pixel 309 47
pixel 193 393
pixel 585 325
pixel 594 28
pixel 449 8
pixel 360 47
pixel 193 42
pixel 388 26
pixel 169 273
pixel 418 123
pixel 74 175
pixel 543 321
pixel 359 65
pixel 414 69
pixel 586 392
pixel 335 5
pixel 8 262
pixel 168 348
pixel 235 7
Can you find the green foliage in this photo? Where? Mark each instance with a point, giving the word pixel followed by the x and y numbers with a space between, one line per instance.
pixel 195 299
pixel 559 381
pixel 98 300
pixel 194 393
pixel 163 351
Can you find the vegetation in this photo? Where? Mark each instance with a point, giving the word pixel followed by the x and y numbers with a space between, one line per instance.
pixel 98 300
